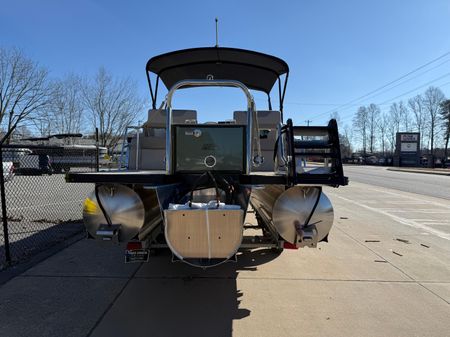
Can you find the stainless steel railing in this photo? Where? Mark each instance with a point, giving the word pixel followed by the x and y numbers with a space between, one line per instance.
pixel 252 123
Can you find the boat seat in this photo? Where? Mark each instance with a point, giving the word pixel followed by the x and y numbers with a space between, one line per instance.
pixel 268 121
pixel 152 142
pixel 157 117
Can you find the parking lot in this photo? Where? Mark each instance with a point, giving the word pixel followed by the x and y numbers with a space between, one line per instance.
pixel 385 272
pixel 42 210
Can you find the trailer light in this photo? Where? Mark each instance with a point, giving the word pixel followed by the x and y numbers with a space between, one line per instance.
pixel 134 245
pixel 288 245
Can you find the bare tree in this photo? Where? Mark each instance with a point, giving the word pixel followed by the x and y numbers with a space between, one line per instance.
pixel 43 122
pixel 420 118
pixel 395 116
pixel 391 134
pixel 113 104
pixel 361 124
pixel 432 99
pixel 65 111
pixel 23 88
pixel 383 125
pixel 445 117
pixel 373 115
pixel 404 116
pixel 348 132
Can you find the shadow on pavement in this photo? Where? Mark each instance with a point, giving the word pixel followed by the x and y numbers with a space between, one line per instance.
pixel 174 299
pixel 29 238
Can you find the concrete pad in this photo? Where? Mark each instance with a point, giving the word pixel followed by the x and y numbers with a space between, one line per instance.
pixel 426 255
pixel 348 308
pixel 363 222
pixel 417 213
pixel 54 306
pixel 420 263
pixel 342 258
pixel 174 307
pixel 86 258
pixel 440 289
pixel 337 290
pixel 262 307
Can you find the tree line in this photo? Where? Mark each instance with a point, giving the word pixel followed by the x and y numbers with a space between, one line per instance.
pixel 427 113
pixel 32 102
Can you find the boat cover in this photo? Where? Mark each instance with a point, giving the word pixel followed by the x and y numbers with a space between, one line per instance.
pixel 256 70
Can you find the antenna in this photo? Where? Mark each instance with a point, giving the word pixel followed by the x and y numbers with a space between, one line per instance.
pixel 217 32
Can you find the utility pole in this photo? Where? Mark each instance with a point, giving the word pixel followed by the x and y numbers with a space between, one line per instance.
pixel 308 121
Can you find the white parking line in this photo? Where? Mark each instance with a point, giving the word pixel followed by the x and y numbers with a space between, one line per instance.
pixel 407 222
pixel 410 197
pixel 415 210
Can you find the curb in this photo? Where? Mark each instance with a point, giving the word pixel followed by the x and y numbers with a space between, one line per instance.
pixel 419 171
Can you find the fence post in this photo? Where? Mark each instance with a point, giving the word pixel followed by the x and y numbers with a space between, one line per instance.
pixel 97 152
pixel 4 214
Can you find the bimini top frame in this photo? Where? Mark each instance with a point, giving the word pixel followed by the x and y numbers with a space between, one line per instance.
pixel 257 71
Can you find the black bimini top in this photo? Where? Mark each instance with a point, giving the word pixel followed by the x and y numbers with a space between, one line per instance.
pixel 256 70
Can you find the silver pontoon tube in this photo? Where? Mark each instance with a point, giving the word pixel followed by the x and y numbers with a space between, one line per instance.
pixel 251 115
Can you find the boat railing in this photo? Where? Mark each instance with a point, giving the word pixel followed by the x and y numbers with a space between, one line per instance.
pixel 252 136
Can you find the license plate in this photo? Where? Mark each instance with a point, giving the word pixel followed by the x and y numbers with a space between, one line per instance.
pixel 136 255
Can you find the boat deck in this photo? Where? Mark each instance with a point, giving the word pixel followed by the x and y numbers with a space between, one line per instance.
pixel 315 176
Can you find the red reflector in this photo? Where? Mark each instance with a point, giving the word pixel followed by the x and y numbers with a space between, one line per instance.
pixel 134 245
pixel 288 245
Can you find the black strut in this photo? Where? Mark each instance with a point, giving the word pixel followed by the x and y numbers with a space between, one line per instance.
pixel 106 215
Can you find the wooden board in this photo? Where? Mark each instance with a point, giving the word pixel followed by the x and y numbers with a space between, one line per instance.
pixel 203 233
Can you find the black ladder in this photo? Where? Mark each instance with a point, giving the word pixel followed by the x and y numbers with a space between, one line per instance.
pixel 316 142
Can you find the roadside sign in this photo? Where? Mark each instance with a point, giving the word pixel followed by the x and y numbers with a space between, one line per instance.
pixel 407 150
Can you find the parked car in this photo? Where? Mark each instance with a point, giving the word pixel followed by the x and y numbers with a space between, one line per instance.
pixel 8 170
pixel 371 160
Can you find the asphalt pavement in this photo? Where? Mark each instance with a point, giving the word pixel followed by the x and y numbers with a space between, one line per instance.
pixel 424 184
pixel 385 272
pixel 42 210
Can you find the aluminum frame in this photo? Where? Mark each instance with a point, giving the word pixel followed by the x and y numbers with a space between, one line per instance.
pixel 251 117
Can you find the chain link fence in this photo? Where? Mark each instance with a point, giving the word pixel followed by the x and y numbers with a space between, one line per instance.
pixel 41 209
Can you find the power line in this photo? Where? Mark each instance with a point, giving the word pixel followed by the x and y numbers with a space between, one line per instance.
pixel 358 104
pixel 405 81
pixel 388 84
pixel 417 88
pixel 395 86
pixel 317 104
pixel 412 90
pixel 408 92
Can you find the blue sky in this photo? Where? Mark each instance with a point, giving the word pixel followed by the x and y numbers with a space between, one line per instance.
pixel 337 50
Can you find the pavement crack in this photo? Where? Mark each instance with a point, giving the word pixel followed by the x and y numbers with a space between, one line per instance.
pixel 114 301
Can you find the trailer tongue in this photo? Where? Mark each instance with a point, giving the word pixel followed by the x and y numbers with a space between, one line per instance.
pixel 188 186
